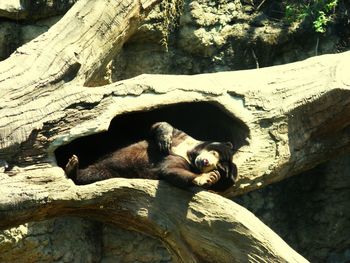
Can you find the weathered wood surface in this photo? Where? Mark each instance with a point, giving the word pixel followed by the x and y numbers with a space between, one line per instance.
pixel 52 91
pixel 194 226
pixel 295 119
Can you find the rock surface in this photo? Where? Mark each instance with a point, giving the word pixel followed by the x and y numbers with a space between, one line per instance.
pixel 32 10
pixel 10 38
pixel 70 239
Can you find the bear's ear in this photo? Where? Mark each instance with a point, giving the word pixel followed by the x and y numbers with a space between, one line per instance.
pixel 229 145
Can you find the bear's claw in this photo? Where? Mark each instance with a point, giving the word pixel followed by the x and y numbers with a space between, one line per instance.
pixel 207 179
pixel 72 165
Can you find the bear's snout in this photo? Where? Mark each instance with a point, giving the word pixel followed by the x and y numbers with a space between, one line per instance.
pixel 205 162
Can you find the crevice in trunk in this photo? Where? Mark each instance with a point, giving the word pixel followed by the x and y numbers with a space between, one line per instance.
pixel 202 120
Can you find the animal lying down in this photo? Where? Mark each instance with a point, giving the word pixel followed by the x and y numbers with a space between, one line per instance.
pixel 169 154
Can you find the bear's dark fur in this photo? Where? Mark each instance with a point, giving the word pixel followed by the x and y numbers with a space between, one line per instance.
pixel 169 154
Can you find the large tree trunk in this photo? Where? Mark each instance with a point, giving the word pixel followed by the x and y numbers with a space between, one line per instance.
pixel 51 92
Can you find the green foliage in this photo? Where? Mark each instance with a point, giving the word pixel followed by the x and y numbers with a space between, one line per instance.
pixel 320 22
pixel 320 12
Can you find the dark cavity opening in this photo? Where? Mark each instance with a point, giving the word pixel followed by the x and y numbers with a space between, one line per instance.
pixel 202 120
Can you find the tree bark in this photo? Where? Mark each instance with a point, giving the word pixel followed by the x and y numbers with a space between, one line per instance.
pixel 194 226
pixel 52 91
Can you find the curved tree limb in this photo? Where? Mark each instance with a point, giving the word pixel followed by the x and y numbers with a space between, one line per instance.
pixel 195 226
pixel 76 48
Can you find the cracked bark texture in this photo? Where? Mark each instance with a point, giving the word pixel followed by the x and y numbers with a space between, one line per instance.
pixel 57 95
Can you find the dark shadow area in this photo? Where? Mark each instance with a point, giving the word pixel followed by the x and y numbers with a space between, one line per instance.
pixel 35 10
pixel 201 120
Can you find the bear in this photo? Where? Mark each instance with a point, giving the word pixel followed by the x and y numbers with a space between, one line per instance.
pixel 167 154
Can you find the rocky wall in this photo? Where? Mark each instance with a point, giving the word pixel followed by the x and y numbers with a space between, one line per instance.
pixel 69 239
pixel 309 211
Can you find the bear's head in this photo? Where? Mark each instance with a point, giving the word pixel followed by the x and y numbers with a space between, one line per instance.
pixel 209 156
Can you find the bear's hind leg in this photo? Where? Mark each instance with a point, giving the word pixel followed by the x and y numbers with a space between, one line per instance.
pixel 72 167
pixel 163 136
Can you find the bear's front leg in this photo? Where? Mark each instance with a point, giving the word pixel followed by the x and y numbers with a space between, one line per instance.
pixel 207 179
